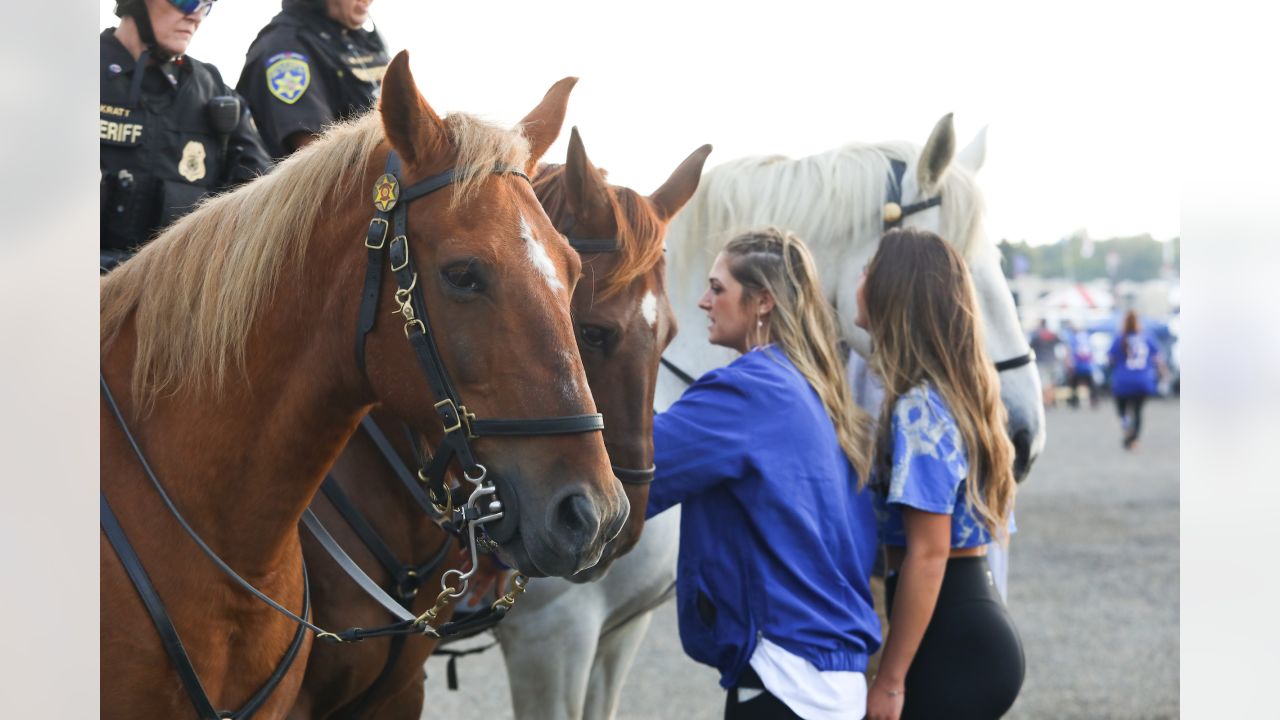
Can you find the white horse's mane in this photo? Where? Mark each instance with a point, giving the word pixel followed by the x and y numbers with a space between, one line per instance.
pixel 833 200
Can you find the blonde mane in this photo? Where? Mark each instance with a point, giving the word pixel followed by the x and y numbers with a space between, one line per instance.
pixel 640 230
pixel 195 292
pixel 833 200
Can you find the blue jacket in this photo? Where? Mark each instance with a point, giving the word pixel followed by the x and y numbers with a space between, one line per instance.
pixel 1133 366
pixel 775 539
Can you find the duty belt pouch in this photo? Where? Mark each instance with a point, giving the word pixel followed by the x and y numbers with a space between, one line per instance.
pixel 178 199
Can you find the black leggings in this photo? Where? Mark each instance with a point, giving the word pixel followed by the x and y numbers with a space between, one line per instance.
pixel 970 663
pixel 1123 406
pixel 764 706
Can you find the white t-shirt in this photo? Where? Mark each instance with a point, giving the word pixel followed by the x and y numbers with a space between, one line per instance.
pixel 809 692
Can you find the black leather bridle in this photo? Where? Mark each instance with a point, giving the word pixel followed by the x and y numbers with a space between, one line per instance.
pixel 388 231
pixel 460 427
pixel 584 246
pixel 895 212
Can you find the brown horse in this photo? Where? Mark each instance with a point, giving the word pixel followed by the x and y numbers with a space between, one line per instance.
pixel 229 342
pixel 623 323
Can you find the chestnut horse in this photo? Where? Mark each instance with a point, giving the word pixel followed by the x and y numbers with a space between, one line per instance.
pixel 229 341
pixel 623 323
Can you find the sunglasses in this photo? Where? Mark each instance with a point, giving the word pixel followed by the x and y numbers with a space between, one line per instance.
pixel 192 7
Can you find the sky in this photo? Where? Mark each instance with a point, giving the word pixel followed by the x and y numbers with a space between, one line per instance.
pixel 1080 100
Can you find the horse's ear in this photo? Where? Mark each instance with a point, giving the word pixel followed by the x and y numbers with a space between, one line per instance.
pixel 542 125
pixel 412 127
pixel 586 190
pixel 678 188
pixel 936 156
pixel 975 153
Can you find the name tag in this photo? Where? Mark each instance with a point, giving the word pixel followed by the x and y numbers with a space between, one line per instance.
pixel 117 127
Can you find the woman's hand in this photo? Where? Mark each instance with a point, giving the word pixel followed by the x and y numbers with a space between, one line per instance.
pixel 884 702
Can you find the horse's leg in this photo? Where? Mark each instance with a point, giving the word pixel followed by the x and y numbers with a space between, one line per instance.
pixel 614 656
pixel 548 661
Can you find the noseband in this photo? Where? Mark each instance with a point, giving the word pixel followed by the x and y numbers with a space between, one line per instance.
pixel 460 426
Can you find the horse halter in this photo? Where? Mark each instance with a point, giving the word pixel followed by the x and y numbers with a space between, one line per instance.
pixel 583 246
pixel 388 231
pixel 894 213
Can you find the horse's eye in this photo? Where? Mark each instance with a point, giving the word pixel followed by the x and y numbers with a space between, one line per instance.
pixel 594 335
pixel 463 277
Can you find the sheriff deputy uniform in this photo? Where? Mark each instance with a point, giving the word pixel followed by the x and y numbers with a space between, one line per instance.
pixel 170 133
pixel 306 70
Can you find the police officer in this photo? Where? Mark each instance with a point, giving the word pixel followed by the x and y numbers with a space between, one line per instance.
pixel 171 131
pixel 311 65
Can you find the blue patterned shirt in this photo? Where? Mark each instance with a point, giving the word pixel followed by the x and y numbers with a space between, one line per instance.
pixel 928 470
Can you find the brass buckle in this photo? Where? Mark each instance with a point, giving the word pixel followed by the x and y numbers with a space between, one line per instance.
pixel 382 242
pixel 401 266
pixel 457 425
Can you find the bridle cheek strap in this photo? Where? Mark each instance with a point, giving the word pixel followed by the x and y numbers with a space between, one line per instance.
pixel 388 230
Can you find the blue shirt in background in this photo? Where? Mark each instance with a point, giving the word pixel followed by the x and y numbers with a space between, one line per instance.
pixel 775 539
pixel 1133 365
pixel 1081 351
pixel 928 471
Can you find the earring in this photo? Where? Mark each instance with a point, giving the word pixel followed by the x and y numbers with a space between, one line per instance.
pixel 759 324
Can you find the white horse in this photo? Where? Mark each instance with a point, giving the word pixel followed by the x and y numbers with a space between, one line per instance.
pixel 836 202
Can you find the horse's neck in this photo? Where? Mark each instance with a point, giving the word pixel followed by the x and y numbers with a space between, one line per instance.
pixel 242 464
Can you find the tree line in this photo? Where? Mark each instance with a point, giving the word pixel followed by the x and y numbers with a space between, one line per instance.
pixel 1121 258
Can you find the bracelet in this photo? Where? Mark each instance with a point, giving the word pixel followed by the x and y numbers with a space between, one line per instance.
pixel 894 693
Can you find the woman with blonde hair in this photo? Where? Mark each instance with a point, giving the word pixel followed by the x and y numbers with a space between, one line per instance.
pixel 943 474
pixel 767 456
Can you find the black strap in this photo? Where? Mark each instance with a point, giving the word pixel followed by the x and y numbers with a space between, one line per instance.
pixel 565 425
pixel 159 617
pixel 356 520
pixel 407 478
pixel 630 476
pixel 684 376
pixel 1017 362
pixel 405 578
pixel 451 669
pixel 898 169
pixel 169 635
pixel 594 245
pixel 349 566
pixel 173 510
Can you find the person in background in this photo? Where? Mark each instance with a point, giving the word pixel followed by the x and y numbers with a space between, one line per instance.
pixel 943 476
pixel 1079 365
pixel 311 66
pixel 1135 370
pixel 767 456
pixel 1044 343
pixel 170 130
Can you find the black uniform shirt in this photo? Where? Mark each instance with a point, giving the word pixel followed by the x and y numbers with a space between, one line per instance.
pixel 158 152
pixel 305 71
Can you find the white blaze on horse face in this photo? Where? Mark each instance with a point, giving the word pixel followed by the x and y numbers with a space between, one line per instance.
pixel 538 257
pixel 649 308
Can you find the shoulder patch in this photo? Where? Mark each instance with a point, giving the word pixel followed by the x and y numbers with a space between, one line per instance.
pixel 288 76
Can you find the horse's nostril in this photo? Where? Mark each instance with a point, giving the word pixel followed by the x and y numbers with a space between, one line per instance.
pixel 575 518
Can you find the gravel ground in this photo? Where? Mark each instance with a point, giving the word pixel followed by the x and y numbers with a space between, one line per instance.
pixel 1093 591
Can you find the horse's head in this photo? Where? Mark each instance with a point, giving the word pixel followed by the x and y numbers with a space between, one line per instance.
pixel 495 279
pixel 621 312
pixel 939 170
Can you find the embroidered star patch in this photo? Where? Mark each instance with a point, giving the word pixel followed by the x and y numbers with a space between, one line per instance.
pixel 288 76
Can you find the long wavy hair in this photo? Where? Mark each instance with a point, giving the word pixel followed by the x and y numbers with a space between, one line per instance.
pixel 802 324
pixel 925 327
